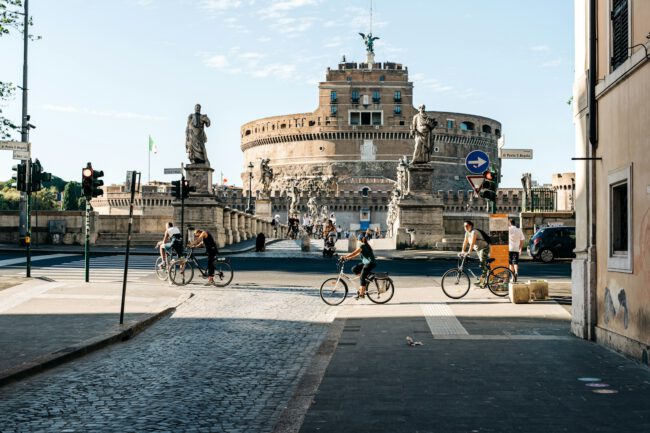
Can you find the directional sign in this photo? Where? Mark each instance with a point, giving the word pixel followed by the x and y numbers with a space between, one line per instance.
pixel 21 155
pixel 173 171
pixel 516 153
pixel 14 145
pixel 476 182
pixel 477 161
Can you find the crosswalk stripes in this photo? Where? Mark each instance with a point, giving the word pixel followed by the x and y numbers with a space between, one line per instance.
pixel 102 269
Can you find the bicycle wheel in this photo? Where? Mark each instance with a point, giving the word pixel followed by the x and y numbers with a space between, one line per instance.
pixel 181 272
pixel 455 283
pixel 222 274
pixel 498 280
pixel 333 291
pixel 380 291
pixel 161 270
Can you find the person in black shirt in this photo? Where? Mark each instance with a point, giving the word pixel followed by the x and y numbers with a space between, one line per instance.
pixel 203 237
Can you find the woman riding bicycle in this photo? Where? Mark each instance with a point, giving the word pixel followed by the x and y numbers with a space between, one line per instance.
pixel 368 263
pixel 203 237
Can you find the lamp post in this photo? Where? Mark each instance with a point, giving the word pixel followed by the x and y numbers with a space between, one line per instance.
pixel 249 208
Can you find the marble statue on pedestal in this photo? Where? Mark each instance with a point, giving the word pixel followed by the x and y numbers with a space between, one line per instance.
pixel 421 128
pixel 195 137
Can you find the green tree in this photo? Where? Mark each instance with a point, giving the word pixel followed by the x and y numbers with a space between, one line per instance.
pixel 45 199
pixel 71 196
pixel 9 199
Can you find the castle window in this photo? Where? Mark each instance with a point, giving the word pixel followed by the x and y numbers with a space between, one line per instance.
pixel 376 118
pixel 354 118
pixel 382 78
pixel 333 109
pixel 355 96
pixel 467 126
pixel 376 98
pixel 397 96
pixel 487 129
pixel 333 97
pixel 450 123
pixel 349 78
pixel 497 132
pixel 365 191
pixel 398 109
pixel 366 118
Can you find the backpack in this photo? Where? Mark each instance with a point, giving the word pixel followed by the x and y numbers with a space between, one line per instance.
pixel 486 237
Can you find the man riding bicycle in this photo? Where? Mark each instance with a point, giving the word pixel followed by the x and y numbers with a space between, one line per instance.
pixel 204 238
pixel 475 240
pixel 171 239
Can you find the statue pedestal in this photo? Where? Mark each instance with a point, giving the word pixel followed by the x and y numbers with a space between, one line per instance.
pixel 264 209
pixel 200 176
pixel 419 221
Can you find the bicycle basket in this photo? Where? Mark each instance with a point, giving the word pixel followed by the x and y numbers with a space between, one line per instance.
pixel 382 285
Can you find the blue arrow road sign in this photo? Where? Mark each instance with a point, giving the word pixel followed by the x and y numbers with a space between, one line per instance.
pixel 477 161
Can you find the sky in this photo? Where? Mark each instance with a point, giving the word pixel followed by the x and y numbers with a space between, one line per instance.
pixel 108 74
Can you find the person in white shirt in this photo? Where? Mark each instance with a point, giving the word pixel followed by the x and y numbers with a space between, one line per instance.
pixel 516 240
pixel 171 238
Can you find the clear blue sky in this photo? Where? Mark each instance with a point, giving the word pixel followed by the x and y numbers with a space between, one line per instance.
pixel 106 74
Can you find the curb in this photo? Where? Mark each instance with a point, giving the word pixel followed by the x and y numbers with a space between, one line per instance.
pixel 293 414
pixel 54 359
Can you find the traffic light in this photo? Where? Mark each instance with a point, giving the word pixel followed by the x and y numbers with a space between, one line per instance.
pixel 20 176
pixel 97 183
pixel 187 189
pixel 176 189
pixel 38 176
pixel 87 181
pixel 490 185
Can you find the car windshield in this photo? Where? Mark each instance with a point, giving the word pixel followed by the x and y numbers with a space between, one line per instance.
pixel 538 234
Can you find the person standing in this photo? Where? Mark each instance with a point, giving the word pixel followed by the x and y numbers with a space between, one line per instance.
pixel 516 240
pixel 204 238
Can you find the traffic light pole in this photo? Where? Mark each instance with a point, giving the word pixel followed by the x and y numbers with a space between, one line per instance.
pixel 182 210
pixel 24 133
pixel 87 241
pixel 28 219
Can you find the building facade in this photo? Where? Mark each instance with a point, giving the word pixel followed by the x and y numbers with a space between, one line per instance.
pixel 611 273
pixel 345 153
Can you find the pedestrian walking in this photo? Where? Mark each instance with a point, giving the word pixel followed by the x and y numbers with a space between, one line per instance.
pixel 516 240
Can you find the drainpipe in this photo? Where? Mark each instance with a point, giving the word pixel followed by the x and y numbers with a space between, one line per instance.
pixel 591 171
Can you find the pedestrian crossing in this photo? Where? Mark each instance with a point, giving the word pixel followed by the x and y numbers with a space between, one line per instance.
pixel 105 269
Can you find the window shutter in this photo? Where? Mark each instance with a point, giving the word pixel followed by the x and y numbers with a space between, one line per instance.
pixel 619 18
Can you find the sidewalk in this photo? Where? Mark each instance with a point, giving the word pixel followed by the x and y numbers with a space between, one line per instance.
pixel 241 247
pixel 484 365
pixel 43 324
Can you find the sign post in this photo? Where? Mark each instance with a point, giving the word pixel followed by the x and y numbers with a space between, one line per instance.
pixel 516 153
pixel 477 161
pixel 15 145
pixel 476 182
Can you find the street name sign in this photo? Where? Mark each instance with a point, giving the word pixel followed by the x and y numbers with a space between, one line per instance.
pixel 21 155
pixel 475 181
pixel 516 153
pixel 477 161
pixel 173 171
pixel 14 145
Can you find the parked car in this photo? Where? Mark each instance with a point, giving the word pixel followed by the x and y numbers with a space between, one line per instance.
pixel 550 243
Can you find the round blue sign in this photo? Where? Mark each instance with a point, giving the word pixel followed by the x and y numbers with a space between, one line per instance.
pixel 477 161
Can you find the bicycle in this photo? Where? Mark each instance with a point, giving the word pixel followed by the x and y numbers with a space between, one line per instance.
pixel 456 281
pixel 161 266
pixel 333 291
pixel 182 270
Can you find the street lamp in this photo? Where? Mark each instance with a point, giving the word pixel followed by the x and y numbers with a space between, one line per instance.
pixel 249 208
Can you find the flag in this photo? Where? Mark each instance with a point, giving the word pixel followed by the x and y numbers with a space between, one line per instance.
pixel 152 146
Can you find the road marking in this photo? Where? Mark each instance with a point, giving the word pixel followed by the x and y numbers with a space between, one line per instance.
pixel 20 260
pixel 506 337
pixel 441 320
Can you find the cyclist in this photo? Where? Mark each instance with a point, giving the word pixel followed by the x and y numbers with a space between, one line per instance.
pixel 475 239
pixel 368 263
pixel 171 239
pixel 204 238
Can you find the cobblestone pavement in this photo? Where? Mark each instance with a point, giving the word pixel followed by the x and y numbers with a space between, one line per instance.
pixel 227 361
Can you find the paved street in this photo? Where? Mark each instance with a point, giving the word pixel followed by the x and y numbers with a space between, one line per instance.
pixel 231 359
pixel 227 360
